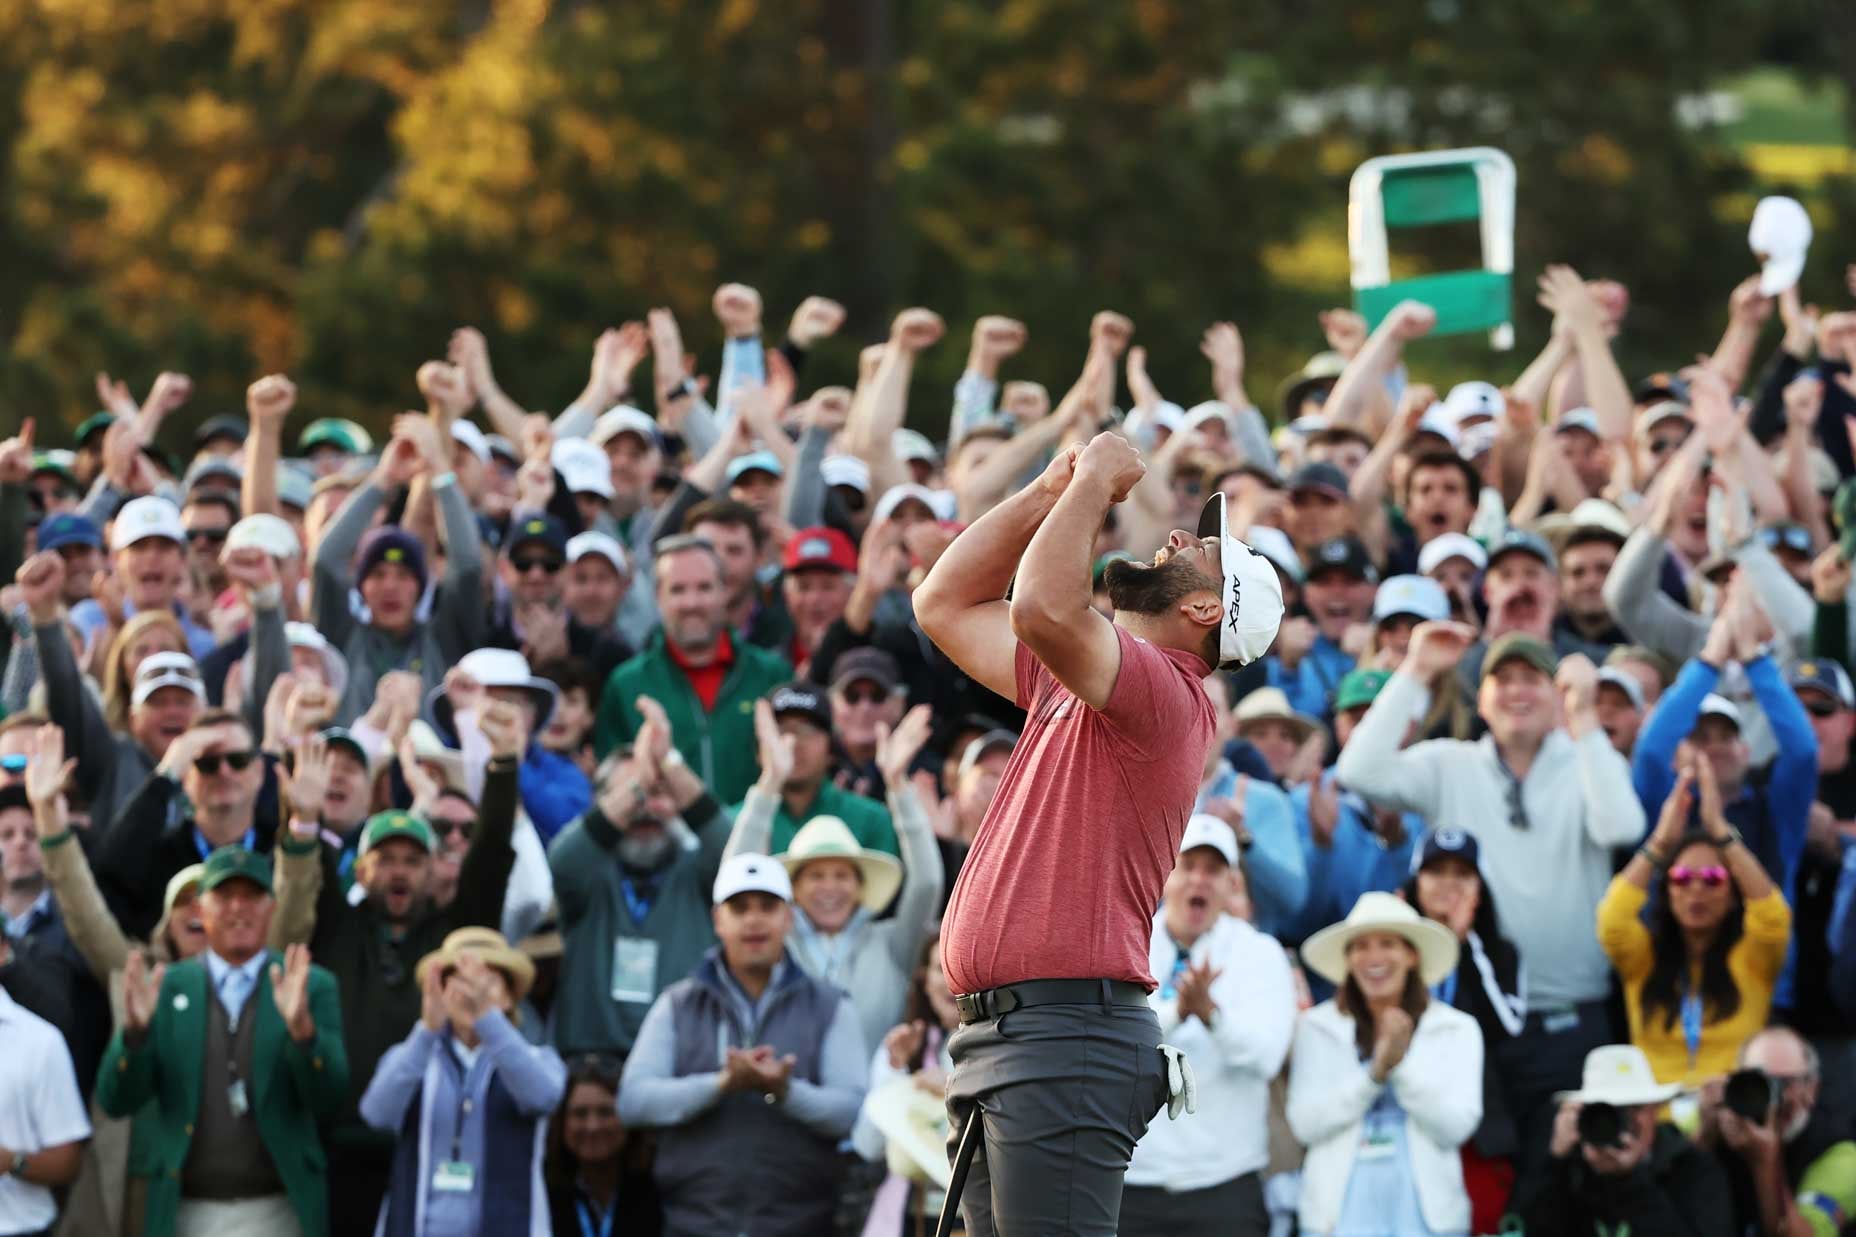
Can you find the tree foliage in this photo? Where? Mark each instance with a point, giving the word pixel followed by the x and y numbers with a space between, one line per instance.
pixel 329 186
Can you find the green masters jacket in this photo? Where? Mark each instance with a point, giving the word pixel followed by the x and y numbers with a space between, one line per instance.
pixel 718 745
pixel 292 1088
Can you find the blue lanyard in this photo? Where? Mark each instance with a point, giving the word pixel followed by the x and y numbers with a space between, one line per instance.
pixel 639 896
pixel 250 841
pixel 586 1220
pixel 1691 1025
pixel 1182 962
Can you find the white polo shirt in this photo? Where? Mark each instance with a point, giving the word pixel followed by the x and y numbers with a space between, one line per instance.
pixel 39 1107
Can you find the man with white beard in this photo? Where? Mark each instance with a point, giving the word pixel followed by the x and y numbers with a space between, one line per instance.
pixel 634 903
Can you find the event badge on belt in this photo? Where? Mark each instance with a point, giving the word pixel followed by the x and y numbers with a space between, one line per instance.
pixel 454 1177
pixel 634 970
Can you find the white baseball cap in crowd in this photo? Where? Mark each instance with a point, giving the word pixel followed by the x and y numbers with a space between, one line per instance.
pixel 1201 414
pixel 266 532
pixel 913 446
pixel 1717 705
pixel 940 503
pixel 623 419
pixel 1438 421
pixel 1415 595
pixel 1252 594
pixel 1577 419
pixel 467 433
pixel 846 470
pixel 1274 544
pixel 752 874
pixel 141 518
pixel 1204 829
pixel 1780 236
pixel 1611 676
pixel 1444 547
pixel 159 670
pixel 583 466
pixel 1473 401
pixel 582 544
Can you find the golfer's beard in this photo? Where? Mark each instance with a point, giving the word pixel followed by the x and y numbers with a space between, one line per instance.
pixel 1140 588
pixel 644 853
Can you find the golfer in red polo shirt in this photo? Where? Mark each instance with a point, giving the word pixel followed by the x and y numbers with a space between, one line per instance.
pixel 1046 937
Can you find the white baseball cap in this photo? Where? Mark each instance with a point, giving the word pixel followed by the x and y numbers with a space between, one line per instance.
pixel 846 470
pixel 1780 236
pixel 1720 706
pixel 1419 595
pixel 1577 419
pixel 1632 689
pixel 267 532
pixel 1473 399
pixel 159 670
pixel 1252 594
pixel 623 419
pixel 1204 829
pixel 1446 546
pixel 582 466
pixel 1438 421
pixel 582 544
pixel 752 874
pixel 467 433
pixel 141 518
pixel 912 445
pixel 940 503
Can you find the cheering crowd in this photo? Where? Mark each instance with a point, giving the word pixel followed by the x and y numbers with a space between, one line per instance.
pixel 540 824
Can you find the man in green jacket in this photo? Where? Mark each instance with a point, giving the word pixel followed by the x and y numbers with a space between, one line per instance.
pixel 706 681
pixel 240 1053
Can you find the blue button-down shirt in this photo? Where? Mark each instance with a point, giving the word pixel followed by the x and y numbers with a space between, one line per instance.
pixel 235 984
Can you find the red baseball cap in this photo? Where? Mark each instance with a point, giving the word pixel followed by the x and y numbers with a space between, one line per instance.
pixel 820 547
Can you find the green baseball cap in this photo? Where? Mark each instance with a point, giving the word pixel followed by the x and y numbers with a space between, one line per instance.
pixel 341 736
pixel 396 824
pixel 335 432
pixel 235 863
pixel 95 423
pixel 1519 645
pixel 61 464
pixel 1359 687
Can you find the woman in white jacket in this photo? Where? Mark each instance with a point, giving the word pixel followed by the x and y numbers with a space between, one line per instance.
pixel 1385 1084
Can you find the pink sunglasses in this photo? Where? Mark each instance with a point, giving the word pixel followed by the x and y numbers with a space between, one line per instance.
pixel 1710 876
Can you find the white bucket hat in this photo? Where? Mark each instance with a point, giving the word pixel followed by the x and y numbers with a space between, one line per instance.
pixel 498 668
pixel 1325 953
pixel 1620 1074
pixel 1252 594
pixel 827 837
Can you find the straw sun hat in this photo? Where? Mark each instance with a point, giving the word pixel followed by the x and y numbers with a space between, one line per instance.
pixel 1325 953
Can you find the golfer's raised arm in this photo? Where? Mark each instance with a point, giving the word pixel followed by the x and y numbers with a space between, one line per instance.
pixel 1051 610
pixel 961 605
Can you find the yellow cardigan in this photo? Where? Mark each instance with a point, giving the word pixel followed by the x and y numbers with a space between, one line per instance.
pixel 1754 962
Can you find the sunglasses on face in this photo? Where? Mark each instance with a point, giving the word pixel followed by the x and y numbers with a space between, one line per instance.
pixel 1663 446
pixel 237 762
pixel 205 536
pixel 1712 877
pixel 1822 708
pixel 443 829
pixel 525 565
pixel 864 695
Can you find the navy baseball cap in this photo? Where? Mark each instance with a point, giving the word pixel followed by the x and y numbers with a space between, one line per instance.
pixel 1825 676
pixel 1448 844
pixel 543 530
pixel 1519 540
pixel 59 531
pixel 1346 554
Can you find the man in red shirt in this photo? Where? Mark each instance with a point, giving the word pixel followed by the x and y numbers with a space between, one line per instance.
pixel 1046 937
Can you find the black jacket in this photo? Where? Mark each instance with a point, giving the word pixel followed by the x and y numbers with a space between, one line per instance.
pixel 381 999
pixel 1677 1190
pixel 152 838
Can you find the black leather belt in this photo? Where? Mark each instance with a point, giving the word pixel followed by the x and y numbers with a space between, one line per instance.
pixel 994 1002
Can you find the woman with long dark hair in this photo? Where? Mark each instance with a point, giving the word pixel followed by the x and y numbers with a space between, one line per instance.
pixel 1446 885
pixel 1699 977
pixel 1385 1083
pixel 598 1172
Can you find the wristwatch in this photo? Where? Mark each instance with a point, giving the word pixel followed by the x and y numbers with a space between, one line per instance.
pixel 18 1167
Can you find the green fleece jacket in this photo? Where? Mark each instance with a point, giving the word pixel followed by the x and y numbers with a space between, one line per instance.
pixel 718 744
